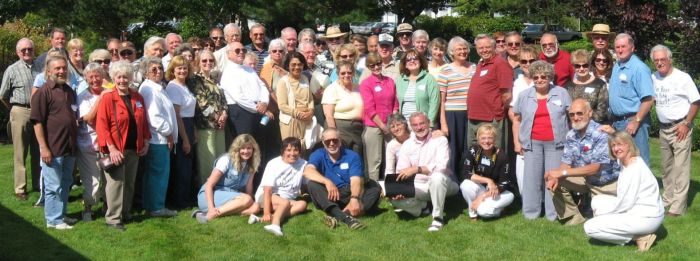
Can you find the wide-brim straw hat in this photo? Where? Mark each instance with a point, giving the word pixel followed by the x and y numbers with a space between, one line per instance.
pixel 600 29
pixel 333 32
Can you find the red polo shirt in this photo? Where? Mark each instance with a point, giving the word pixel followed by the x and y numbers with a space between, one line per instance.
pixel 563 70
pixel 491 78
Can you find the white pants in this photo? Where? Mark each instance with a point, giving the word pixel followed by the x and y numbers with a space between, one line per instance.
pixel 490 207
pixel 433 188
pixel 519 171
pixel 618 228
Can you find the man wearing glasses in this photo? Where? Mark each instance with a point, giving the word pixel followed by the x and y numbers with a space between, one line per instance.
pixel 586 166
pixel 404 32
pixel 563 70
pixel 347 196
pixel 258 45
pixel 113 48
pixel 513 43
pixel 217 36
pixel 232 34
pixel 16 91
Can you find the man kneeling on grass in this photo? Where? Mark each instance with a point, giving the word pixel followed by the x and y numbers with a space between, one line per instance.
pixel 348 196
pixel 281 185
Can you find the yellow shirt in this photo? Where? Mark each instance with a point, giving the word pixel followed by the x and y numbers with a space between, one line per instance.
pixel 348 104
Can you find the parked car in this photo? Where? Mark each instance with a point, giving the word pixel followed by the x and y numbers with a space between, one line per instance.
pixel 382 27
pixel 363 28
pixel 533 33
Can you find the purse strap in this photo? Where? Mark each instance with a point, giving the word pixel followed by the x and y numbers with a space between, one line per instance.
pixel 116 123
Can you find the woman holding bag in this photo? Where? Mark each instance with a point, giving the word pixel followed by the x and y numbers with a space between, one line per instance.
pixel 294 98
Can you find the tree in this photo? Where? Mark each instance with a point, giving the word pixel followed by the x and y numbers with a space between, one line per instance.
pixel 687 52
pixel 547 12
pixel 407 10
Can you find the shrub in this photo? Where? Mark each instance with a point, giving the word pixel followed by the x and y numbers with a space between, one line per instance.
pixel 570 46
pixel 466 27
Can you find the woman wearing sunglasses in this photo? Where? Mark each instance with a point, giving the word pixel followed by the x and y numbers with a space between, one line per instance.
pixel 602 60
pixel 585 85
pixel 541 111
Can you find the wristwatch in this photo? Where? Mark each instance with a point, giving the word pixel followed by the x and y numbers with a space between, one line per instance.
pixel 637 119
pixel 564 173
pixel 420 170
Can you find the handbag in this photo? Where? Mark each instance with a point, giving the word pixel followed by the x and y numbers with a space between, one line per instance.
pixel 312 134
pixel 394 187
pixel 104 162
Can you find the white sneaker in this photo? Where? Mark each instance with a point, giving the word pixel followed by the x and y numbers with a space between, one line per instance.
pixel 274 229
pixel 253 219
pixel 62 226
pixel 435 226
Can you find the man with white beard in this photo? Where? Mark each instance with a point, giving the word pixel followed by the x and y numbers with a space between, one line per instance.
pixel 563 70
pixel 586 165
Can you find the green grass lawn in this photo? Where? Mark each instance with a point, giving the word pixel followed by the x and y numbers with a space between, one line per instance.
pixel 24 236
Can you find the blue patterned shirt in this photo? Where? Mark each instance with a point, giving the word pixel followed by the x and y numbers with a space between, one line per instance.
pixel 588 149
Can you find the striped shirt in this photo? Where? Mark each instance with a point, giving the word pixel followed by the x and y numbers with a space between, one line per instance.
pixel 456 86
pixel 262 54
pixel 17 83
pixel 409 104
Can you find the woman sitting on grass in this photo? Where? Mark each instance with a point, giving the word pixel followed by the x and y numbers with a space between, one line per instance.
pixel 281 184
pixel 229 188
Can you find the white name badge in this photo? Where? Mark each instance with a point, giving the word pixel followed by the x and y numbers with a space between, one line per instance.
pixel 483 72
pixel 303 85
pixel 623 77
pixel 557 102
pixel 377 88
pixel 589 90
pixel 485 161
pixel 421 87
pixel 138 104
pixel 344 166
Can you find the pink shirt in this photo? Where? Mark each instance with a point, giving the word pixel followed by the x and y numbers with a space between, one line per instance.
pixel 379 98
pixel 433 153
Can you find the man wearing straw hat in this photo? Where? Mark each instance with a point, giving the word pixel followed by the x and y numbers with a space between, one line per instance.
pixel 600 36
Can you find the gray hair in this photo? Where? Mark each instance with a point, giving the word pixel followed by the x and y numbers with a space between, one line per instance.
pixel 454 42
pixel 99 53
pixel 153 39
pixel 629 38
pixel 231 27
pixel 586 103
pixel 147 61
pixel 256 26
pixel 184 48
pixel 302 45
pixel 25 39
pixel 556 40
pixel 485 36
pixel 396 118
pixel 660 47
pixel 121 68
pixel 288 30
pixel 171 35
pixel 277 42
pixel 307 31
pixel 94 67
pixel 417 114
pixel 542 67
pixel 420 33
pixel 513 33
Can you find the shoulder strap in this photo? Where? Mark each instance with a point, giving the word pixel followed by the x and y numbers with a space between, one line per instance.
pixel 116 123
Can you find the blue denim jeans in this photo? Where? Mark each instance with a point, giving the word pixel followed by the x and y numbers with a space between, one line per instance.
pixel 57 178
pixel 641 137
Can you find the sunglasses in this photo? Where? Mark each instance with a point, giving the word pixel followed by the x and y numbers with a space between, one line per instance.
pixel 583 65
pixel 514 44
pixel 328 142
pixel 320 43
pixel 601 60
pixel 540 77
pixel 126 53
pixel 207 61
pixel 404 34
pixel 105 61
pixel 196 49
pixel 27 50
pixel 114 51
pixel 217 38
pixel 336 39
pixel 376 65
pixel 239 51
pixel 578 113
pixel 346 73
pixel 156 69
pixel 411 59
pixel 545 45
pixel 500 41
pixel 276 51
pixel 348 56
pixel 527 61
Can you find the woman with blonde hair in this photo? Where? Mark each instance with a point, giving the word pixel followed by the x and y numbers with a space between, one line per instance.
pixel 229 188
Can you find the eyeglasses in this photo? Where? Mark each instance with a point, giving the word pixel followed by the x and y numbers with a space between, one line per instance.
pixel 376 65
pixel 661 60
pixel 27 50
pixel 345 73
pixel 404 34
pixel 599 37
pixel 126 53
pixel 527 61
pixel 217 38
pixel 578 113
pixel 258 35
pixel 156 69
pixel 514 44
pixel 328 142
pixel 545 45
pixel 105 61
pixel 207 61
pixel 501 41
pixel 114 51
pixel 601 60
pixel 239 51
pixel 196 49
pixel 582 65
pixel 335 39
pixel 320 43
pixel 347 56
pixel 277 51
pixel 540 77
pixel 411 59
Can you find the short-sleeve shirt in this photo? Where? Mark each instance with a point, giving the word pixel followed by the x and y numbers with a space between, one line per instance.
pixel 563 70
pixel 348 165
pixel 232 180
pixel 491 78
pixel 348 104
pixel 284 178
pixel 87 136
pixel 519 85
pixel 591 148
pixel 181 96
pixel 55 107
pixel 630 82
pixel 455 86
pixel 674 94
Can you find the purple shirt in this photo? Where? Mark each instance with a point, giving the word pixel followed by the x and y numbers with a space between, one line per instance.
pixel 379 98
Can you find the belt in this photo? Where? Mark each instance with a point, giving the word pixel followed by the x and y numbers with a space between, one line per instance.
pixel 622 117
pixel 20 105
pixel 670 124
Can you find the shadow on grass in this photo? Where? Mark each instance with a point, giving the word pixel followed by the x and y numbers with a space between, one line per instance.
pixel 21 240
pixel 693 189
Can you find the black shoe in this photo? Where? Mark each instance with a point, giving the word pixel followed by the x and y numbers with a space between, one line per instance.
pixel 118 226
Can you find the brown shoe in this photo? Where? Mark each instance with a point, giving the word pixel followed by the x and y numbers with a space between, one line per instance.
pixel 671 214
pixel 21 196
pixel 644 242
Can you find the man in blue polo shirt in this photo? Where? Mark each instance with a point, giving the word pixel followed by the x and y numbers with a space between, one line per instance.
pixel 350 197
pixel 631 94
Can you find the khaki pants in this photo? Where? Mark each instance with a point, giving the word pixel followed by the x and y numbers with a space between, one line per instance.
pixel 23 141
pixel 119 188
pixel 564 203
pixel 675 166
pixel 374 143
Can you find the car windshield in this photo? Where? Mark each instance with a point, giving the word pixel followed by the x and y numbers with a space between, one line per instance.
pixel 533 28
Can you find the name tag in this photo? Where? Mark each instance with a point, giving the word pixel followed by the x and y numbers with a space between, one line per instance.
pixel 557 102
pixel 344 166
pixel 377 88
pixel 138 104
pixel 623 78
pixel 589 90
pixel 483 72
pixel 421 87
pixel 303 85
pixel 485 161
pixel 74 107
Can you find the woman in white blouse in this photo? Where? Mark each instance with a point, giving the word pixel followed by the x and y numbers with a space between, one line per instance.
pixel 637 211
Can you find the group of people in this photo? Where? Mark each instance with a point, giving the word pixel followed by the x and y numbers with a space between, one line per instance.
pixel 353 122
